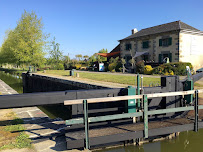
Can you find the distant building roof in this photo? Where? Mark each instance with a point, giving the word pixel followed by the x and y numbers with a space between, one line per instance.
pixel 173 26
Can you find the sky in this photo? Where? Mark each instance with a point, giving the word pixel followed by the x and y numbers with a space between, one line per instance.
pixel 87 26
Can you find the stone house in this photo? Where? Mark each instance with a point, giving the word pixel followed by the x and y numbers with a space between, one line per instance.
pixel 178 41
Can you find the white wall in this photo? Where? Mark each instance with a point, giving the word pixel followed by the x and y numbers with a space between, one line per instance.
pixel 191 49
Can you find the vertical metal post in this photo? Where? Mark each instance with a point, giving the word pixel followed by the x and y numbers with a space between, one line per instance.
pixel 30 69
pixel 145 116
pixel 196 111
pixel 138 90
pixel 85 105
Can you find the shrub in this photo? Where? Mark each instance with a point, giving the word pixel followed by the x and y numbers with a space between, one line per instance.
pixel 78 66
pixel 140 67
pixel 60 66
pixel 118 66
pixel 148 69
pixel 169 73
pixel 177 68
pixel 112 66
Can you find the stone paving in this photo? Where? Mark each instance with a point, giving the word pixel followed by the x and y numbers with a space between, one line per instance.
pixel 47 134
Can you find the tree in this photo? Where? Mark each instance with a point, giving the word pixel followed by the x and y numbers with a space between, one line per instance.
pixel 7 54
pixel 85 57
pixel 132 61
pixel 79 56
pixel 66 62
pixel 25 44
pixel 66 59
pixel 123 62
pixel 101 58
pixel 55 54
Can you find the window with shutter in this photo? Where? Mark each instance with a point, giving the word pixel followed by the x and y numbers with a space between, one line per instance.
pixel 165 42
pixel 160 58
pixel 170 57
pixel 145 44
pixel 128 46
pixel 170 41
pixel 160 42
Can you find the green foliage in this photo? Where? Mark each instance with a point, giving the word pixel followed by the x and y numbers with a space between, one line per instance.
pixel 114 64
pixel 86 57
pixel 22 140
pixel 177 68
pixel 101 58
pixel 123 61
pixel 148 69
pixel 112 67
pixel 169 73
pixel 78 66
pixel 140 67
pixel 79 56
pixel 59 66
pixel 56 55
pixel 25 44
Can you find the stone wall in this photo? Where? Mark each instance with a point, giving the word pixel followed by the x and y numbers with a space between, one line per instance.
pixel 154 48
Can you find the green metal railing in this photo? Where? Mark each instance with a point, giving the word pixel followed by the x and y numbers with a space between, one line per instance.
pixel 145 113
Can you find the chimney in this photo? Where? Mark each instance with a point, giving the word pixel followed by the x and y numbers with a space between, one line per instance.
pixel 134 31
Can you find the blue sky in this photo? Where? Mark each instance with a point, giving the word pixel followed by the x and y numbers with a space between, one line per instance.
pixel 86 26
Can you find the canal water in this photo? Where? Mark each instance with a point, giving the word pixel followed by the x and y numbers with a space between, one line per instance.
pixel 15 82
pixel 188 141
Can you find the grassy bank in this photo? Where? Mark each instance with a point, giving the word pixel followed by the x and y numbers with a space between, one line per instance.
pixel 122 79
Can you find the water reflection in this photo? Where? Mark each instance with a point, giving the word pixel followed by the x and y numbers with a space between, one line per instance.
pixel 14 81
pixel 188 141
pixel 56 111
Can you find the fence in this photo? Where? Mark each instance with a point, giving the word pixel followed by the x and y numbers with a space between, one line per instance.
pixel 144 112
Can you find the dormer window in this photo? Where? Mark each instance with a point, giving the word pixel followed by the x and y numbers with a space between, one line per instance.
pixel 145 44
pixel 128 46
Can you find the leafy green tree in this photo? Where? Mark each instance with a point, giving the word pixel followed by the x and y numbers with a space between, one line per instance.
pixel 26 43
pixel 79 56
pixel 7 54
pixel 85 57
pixel 101 58
pixel 66 59
pixel 55 54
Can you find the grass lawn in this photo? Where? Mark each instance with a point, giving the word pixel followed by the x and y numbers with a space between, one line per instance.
pixel 122 79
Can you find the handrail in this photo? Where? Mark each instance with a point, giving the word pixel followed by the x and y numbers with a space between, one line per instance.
pixel 119 98
pixel 145 113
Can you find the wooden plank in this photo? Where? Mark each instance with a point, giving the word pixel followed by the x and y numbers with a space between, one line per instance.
pixel 149 96
pixel 106 99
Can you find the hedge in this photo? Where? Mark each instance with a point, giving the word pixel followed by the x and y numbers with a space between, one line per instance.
pixel 176 68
